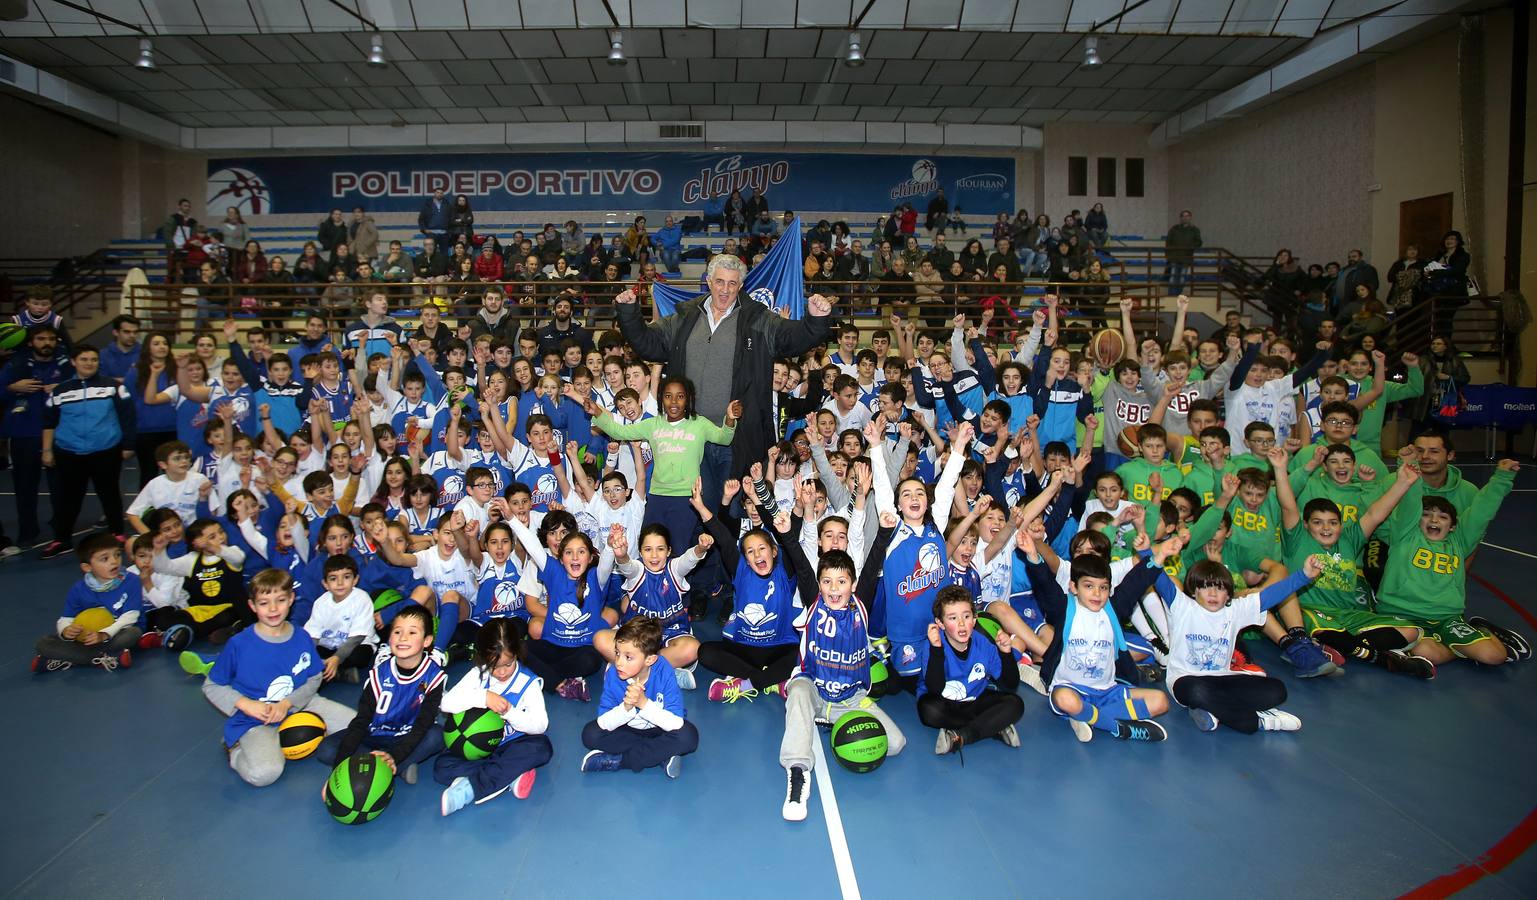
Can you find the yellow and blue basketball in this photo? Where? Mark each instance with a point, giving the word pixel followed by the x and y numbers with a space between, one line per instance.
pixel 12 336
pixel 94 619
pixel 300 734
pixel 859 741
pixel 359 789
pixel 474 733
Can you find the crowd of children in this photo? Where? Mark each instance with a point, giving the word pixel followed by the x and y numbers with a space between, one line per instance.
pixel 937 515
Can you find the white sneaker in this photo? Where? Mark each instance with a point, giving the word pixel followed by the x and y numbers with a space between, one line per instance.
pixel 1082 730
pixel 797 792
pixel 1278 720
pixel 1031 676
pixel 686 678
pixel 1009 736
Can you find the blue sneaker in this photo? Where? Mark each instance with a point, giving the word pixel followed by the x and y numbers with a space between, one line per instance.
pixel 457 796
pixel 598 761
pixel 1308 660
pixel 1203 719
pixel 674 766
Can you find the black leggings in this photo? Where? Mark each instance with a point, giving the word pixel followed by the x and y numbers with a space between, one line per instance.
pixel 555 663
pixel 144 446
pixel 1233 699
pixel 762 666
pixel 164 617
pixel 973 720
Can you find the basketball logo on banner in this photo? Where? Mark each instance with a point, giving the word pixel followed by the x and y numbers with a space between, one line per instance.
pixel 240 188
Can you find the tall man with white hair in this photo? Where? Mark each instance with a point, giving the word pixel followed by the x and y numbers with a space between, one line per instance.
pixel 702 340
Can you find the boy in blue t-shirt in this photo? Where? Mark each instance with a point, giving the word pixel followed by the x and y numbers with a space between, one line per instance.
pixel 266 672
pixel 641 720
pixel 958 670
pixel 102 586
pixel 397 718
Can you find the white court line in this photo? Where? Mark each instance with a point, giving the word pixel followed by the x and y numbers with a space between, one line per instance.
pixel 844 863
pixel 1510 550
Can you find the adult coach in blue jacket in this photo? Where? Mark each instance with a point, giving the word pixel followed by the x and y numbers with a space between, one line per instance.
pixel 88 430
pixel 709 336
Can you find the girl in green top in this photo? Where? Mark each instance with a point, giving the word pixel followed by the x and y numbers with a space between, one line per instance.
pixel 677 438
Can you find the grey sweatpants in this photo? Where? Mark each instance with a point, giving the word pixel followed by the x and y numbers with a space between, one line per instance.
pixel 51 646
pixel 258 756
pixel 805 707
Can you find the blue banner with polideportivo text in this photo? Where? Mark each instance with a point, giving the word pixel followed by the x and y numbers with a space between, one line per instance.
pixel 613 182
pixel 778 282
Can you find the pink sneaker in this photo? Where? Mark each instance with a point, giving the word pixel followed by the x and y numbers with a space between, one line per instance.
pixel 730 690
pixel 524 785
pixel 573 689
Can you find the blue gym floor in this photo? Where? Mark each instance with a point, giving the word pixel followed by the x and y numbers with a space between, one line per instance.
pixel 117 786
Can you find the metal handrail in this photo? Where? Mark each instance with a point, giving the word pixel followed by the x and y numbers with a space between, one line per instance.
pixel 82 283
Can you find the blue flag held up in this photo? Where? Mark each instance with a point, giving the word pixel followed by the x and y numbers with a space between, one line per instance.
pixel 778 282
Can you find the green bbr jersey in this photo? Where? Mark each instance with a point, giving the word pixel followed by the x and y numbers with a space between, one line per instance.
pixel 1424 579
pixel 1256 534
pixel 1136 474
pixel 1352 498
pixel 1250 461
pixel 1338 586
pixel 1202 530
pixel 1366 455
pixel 1369 431
pixel 1204 480
pixel 1460 494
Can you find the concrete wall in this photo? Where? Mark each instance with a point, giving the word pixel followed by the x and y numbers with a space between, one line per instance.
pixel 1294 174
pixel 1145 215
pixel 59 184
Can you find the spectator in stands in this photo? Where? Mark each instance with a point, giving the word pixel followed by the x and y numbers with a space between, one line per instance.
pixel 736 214
pixel 1445 376
pixel 333 232
pixel 1097 225
pixel 1368 317
pixel 494 318
pixel 571 242
pixel 619 258
pixel 973 258
pixel 250 268
pixel 461 222
pixel 938 214
pixel 488 266
pixel 1283 284
pixel 463 284
pixel 1003 255
pixel 1033 245
pixel 928 288
pixel 756 202
pixel 594 258
pixel 279 279
pixel 429 266
pixel 176 231
pixel 880 263
pixel 911 254
pixel 311 268
pixel 764 224
pixel 551 245
pixel 435 217
pixel 1094 294
pixel 897 292
pixel 562 327
pixel 193 252
pixel 234 228
pixel 397 267
pixel 119 357
pixel 1180 244
pixel 1357 271
pixel 842 238
pixel 821 233
pixel 1002 226
pixel 27 381
pixel 363 235
pixel 714 334
pixel 939 254
pixel 669 244
pixel 340 293
pixel 342 260
pixel 909 222
pixel 458 255
pixel 636 236
pixel 1404 278
pixel 606 287
pixel 852 265
pixel 1448 272
pixel 212 295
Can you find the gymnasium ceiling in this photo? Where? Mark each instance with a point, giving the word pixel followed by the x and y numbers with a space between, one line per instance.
pixel 230 63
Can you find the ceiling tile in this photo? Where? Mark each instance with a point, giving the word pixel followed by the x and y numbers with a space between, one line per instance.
pixel 691 93
pixel 961 115
pixel 783 43
pixel 946 45
pixel 780 93
pixel 680 43
pixel 705 71
pixel 588 43
pixel 474 71
pixel 892 44
pixel 601 94
pixel 640 93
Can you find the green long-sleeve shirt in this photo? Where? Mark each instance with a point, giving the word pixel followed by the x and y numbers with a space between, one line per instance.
pixel 1369 431
pixel 1424 579
pixel 677 448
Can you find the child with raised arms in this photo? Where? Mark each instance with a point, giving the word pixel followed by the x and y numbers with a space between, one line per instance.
pixel 397 714
pixel 216 588
pixel 443 569
pixel 1204 621
pixel 653 588
pixel 968 686
pixel 264 673
pixel 641 721
pixel 499 682
pixel 574 635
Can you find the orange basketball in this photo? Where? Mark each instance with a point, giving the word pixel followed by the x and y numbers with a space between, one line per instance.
pixel 1127 440
pixel 1107 348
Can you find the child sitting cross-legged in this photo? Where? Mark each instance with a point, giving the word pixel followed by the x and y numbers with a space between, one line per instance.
pixel 1088 668
pixel 1204 621
pixel 641 723
pixel 953 694
pixel 101 586
pixel 397 718
pixel 342 621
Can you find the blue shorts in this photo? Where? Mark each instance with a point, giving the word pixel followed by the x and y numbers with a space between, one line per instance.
pixel 1110 704
pixel 1030 611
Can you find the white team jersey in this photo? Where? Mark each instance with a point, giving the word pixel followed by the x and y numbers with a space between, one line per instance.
pixel 444 575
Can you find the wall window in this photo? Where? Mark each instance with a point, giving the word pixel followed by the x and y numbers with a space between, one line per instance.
pixel 1134 176
pixel 1106 176
pixel 1077 176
